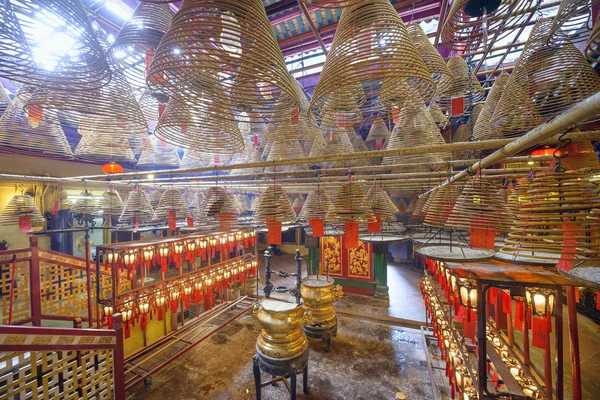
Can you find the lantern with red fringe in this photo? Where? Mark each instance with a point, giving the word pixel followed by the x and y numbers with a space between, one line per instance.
pixel 187 292
pixel 163 253
pixel 174 298
pixel 238 237
pixel 143 310
pixel 223 244
pixel 208 296
pixel 107 313
pixel 254 267
pixel 111 258
pixel 177 254
pixel 130 261
pixel 231 241
pixel 160 300
pixel 190 254
pixel 202 245
pixel 198 288
pixel 127 317
pixel 148 254
pixel 212 243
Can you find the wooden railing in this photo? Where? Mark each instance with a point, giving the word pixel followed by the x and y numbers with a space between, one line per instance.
pixel 60 363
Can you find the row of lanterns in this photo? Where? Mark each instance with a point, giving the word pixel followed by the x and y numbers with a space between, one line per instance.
pixel 197 287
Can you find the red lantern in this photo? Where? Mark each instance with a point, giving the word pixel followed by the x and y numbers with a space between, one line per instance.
pixel 112 168
pixel 545 152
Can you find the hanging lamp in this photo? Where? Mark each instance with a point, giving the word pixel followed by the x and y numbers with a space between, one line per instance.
pixel 137 40
pixel 23 212
pixel 232 38
pixel 51 44
pixel 172 207
pixel 371 48
pixel 137 209
pixel 351 208
pixel 546 80
pixel 482 129
pixel 315 209
pixel 274 209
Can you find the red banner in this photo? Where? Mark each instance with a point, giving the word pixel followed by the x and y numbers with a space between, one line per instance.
pixel 568 251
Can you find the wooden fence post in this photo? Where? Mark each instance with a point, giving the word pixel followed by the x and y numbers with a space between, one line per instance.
pixel 34 283
pixel 119 358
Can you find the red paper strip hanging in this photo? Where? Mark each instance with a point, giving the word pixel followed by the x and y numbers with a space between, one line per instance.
pixel 374 226
pixel 506 303
pixel 190 222
pixel 351 235
pixel 274 232
pixel 469 324
pixel 567 256
pixel 55 208
pixel 172 220
pixel 25 223
pixel 458 106
pixel 318 227
pixel 597 300
pixel 137 224
pixel 481 237
pixel 378 144
pixel 540 332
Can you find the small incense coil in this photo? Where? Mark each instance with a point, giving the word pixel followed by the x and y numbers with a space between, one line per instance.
pixel 172 201
pixel 433 60
pixel 415 128
pixel 462 31
pixel 382 206
pixel 111 204
pixel 440 204
pixel 274 205
pixel 80 66
pixel 480 206
pixel 104 148
pixel 482 129
pixel 463 132
pixel 25 135
pixel 213 36
pixel 337 142
pixel 61 199
pixel 571 20
pixel 555 207
pixel 154 198
pixel 437 114
pixel 356 57
pixel 340 109
pixel 546 80
pixel 85 204
pixel 418 207
pixel 194 128
pixel 19 206
pixel 160 154
pixel 191 200
pixel 472 92
pixel 316 205
pixel 378 131
pixel 402 206
pixel 592 49
pixel 137 208
pixel 150 107
pixel 350 205
pixel 139 35
pixel 216 208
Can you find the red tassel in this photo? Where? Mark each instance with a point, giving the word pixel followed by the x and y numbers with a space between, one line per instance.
pixel 143 322
pixel 163 264
pixel 190 222
pixel 160 313
pixel 174 305
pixel 378 144
pixel 567 256
pixel 127 330
pixel 109 321
pixel 540 332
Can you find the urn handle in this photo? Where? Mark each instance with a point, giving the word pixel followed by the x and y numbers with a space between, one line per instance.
pixel 337 292
pixel 256 309
pixel 307 317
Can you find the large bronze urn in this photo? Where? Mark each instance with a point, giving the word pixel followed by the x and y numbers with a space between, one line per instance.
pixel 319 294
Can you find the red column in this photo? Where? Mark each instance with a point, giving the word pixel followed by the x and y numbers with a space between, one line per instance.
pixel 119 359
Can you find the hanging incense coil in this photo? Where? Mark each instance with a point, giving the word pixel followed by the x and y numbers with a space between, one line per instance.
pixel 440 204
pixel 4 99
pixel 433 60
pixel 337 142
pixel 172 202
pixel 482 129
pixel 60 200
pixel 572 20
pixel 273 205
pixel 554 209
pixel 28 28
pixel 138 38
pixel 350 205
pixel 190 127
pixel 371 47
pixel 316 205
pixel 21 210
pixel 464 85
pixel 218 208
pixel 105 148
pixel 22 134
pixel 137 208
pixel 150 107
pixel 480 206
pixel 111 204
pixel 463 133
pixel 402 206
pixel 160 154
pixel 86 204
pixel 437 114
pixel 419 205
pixel 592 49
pixel 234 39
pixel 382 206
pixel 546 80
pixel 330 3
pixel 340 109
pixel 415 128
pixel 378 131
pixel 154 198
pixel 466 28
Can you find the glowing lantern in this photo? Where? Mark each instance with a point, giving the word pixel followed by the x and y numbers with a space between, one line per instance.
pixel 112 168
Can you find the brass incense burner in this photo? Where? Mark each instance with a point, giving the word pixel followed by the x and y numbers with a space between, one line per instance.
pixel 319 294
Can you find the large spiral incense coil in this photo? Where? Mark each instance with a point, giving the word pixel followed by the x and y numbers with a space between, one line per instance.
pixel 337 142
pixel 464 85
pixel 111 204
pixel 466 27
pixel 136 40
pixel 463 132
pixel 553 219
pixel 154 197
pixel 160 154
pixel 382 206
pixel 274 205
pixel 190 127
pixel 231 38
pixel 433 60
pixel 480 206
pixel 440 204
pixel 172 202
pixel 302 101
pixel 137 208
pixel 330 3
pixel 24 135
pixel 19 209
pixel 437 114
pixel 350 205
pixel 4 99
pixel 74 63
pixel 150 107
pixel 282 150
pixel 371 47
pixel 572 20
pixel 592 49
pixel 546 80
pixel 482 129
pixel 104 147
pixel 316 205
pixel 415 128
pixel 86 204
